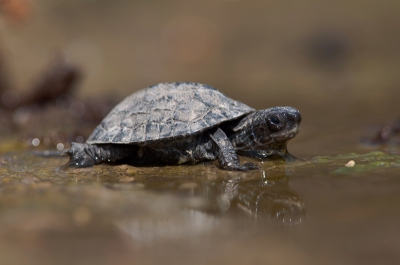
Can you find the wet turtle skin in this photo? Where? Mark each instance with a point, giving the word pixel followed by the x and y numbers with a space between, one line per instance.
pixel 176 123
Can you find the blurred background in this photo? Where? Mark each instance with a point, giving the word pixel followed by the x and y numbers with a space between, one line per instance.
pixel 336 61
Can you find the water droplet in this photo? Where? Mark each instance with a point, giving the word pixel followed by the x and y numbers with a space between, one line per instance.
pixel 35 142
pixel 60 146
pixel 79 139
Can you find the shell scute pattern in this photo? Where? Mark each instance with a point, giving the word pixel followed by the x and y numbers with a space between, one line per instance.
pixel 166 111
pixel 179 129
pixel 198 125
pixel 152 131
pixel 112 133
pixel 124 135
pixel 165 130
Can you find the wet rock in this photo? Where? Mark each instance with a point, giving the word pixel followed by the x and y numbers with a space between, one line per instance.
pixel 61 77
pixel 49 116
pixel 387 134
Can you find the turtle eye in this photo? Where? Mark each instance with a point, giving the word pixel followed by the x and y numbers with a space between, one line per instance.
pixel 274 124
pixel 274 120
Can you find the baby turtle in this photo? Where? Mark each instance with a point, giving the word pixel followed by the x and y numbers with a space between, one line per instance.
pixel 176 123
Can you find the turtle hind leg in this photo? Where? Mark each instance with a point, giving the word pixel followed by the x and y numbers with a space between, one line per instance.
pixel 87 155
pixel 81 155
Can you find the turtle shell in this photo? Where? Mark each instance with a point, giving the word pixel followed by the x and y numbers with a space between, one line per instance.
pixel 166 111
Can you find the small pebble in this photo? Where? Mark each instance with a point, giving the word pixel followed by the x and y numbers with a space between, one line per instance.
pixel 351 163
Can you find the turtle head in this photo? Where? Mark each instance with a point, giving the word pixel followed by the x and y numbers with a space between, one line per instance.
pixel 280 123
pixel 268 130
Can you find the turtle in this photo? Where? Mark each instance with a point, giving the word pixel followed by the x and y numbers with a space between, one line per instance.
pixel 185 123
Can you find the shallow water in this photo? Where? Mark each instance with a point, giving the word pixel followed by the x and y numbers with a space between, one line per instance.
pixel 313 211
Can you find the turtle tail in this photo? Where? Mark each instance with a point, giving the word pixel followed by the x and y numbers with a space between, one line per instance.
pixel 48 153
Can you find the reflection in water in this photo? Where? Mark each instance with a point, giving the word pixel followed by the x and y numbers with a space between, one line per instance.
pixel 182 224
pixel 272 199
pixel 266 199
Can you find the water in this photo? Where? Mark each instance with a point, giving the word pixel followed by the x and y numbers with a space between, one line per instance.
pixel 308 212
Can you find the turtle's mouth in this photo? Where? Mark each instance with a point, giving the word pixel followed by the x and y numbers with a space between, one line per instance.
pixel 286 135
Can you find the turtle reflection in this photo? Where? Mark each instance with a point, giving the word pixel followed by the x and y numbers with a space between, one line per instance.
pixel 265 199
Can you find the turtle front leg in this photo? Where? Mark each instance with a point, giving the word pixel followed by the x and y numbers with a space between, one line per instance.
pixel 226 154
